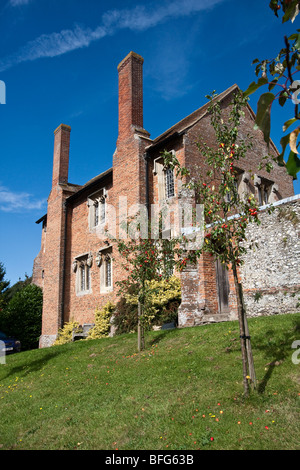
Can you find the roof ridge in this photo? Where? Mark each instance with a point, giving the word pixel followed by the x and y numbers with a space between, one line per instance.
pixel 202 108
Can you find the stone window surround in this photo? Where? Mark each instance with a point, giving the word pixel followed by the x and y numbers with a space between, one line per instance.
pixel 98 197
pixel 168 234
pixel 159 170
pixel 83 261
pixel 104 256
pixel 264 184
pixel 243 179
pixel 242 183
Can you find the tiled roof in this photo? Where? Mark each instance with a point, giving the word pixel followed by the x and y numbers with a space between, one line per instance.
pixel 191 119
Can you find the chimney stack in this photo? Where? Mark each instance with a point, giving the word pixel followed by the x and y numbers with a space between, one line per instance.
pixel 61 154
pixel 130 94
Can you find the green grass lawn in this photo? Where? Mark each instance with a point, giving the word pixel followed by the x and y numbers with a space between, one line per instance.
pixel 185 391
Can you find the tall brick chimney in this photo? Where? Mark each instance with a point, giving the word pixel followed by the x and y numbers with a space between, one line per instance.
pixel 61 154
pixel 129 167
pixel 54 255
pixel 130 94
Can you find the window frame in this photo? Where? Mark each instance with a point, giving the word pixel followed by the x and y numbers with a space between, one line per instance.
pixel 160 170
pixel 97 209
pixel 169 175
pixel 264 188
pixel 105 259
pixel 82 266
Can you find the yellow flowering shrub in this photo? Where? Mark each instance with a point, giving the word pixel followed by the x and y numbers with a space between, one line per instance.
pixel 102 321
pixel 65 333
pixel 162 301
pixel 159 293
pixel 162 292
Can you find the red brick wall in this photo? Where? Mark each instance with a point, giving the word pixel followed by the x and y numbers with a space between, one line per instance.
pixel 61 154
pixel 188 154
pixel 81 240
pixel 130 72
pixel 51 258
pixel 128 180
pixel 204 130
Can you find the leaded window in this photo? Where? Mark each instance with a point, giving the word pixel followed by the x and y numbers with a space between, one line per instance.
pixel 82 267
pixel 105 262
pixel 97 208
pixel 108 271
pixel 169 183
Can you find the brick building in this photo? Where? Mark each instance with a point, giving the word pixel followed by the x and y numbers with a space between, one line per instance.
pixel 75 266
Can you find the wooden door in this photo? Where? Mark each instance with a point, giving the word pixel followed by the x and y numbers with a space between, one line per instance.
pixel 222 287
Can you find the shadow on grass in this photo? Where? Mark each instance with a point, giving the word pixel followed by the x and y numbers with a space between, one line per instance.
pixel 276 347
pixel 161 336
pixel 27 366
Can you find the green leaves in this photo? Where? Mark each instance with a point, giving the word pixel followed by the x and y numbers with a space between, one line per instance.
pixel 254 86
pixel 288 123
pixel 283 142
pixel 279 73
pixel 295 37
pixel 293 140
pixel 291 11
pixel 263 115
pixel 293 164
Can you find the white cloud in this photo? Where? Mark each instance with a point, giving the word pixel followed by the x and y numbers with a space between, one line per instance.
pixel 18 202
pixel 16 3
pixel 139 18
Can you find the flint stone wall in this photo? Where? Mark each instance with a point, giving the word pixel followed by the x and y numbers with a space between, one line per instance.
pixel 271 273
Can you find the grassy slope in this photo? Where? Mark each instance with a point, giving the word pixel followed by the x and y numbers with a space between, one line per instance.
pixel 185 388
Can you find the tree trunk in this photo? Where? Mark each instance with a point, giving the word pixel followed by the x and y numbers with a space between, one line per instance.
pixel 142 338
pixel 241 318
pixel 139 327
pixel 248 342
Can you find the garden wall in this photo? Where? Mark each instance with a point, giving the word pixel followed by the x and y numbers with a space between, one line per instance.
pixel 271 273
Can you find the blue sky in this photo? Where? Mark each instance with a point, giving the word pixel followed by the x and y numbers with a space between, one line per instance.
pixel 59 63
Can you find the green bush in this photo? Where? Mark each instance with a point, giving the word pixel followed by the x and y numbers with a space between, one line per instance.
pixel 23 316
pixel 125 319
pixel 163 300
